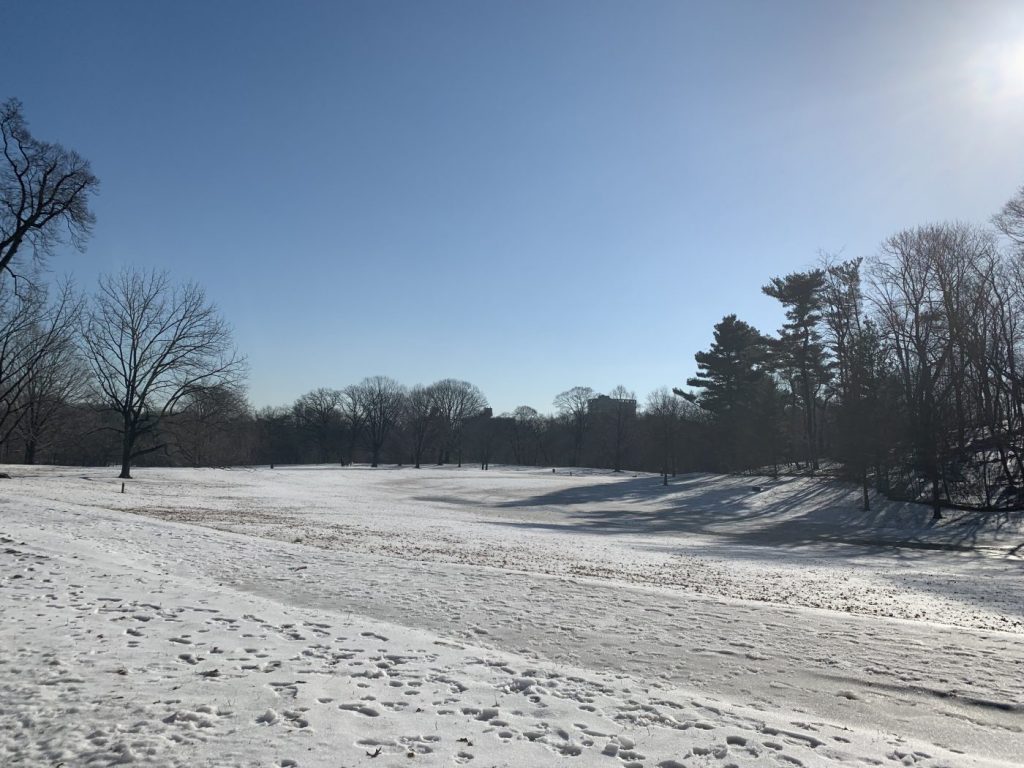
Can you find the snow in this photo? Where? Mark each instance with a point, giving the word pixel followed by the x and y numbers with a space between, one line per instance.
pixel 327 616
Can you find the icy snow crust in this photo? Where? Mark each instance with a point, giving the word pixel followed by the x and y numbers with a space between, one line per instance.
pixel 327 616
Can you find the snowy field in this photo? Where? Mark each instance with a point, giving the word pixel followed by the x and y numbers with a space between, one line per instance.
pixel 326 616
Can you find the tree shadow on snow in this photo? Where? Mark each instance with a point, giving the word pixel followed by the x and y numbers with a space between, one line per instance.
pixel 791 512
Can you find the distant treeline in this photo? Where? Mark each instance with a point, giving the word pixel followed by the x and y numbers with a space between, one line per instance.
pixel 379 421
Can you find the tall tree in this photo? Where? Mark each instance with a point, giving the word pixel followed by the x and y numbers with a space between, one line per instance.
pixel 276 435
pixel 842 310
pixel 45 191
pixel 455 401
pixel 799 351
pixel 318 414
pixel 666 409
pixel 866 411
pixel 420 421
pixel 36 336
pixel 209 426
pixel 382 400
pixel 149 344
pixel 615 417
pixel 56 383
pixel 573 407
pixel 480 433
pixel 1010 220
pixel 524 434
pixel 910 311
pixel 353 419
pixel 739 393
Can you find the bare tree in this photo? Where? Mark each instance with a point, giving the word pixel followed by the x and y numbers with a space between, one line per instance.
pixel 842 311
pixel 910 309
pixel 481 431
pixel 667 410
pixel 353 416
pixel 318 413
pixel 35 335
pixel 149 344
pixel 276 435
pixel 621 416
pixel 382 400
pixel 59 381
pixel 420 419
pixel 573 406
pixel 524 434
pixel 209 427
pixel 44 191
pixel 1010 220
pixel 456 401
pixel 1003 287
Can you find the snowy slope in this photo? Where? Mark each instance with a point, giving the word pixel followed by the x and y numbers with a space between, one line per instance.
pixel 504 618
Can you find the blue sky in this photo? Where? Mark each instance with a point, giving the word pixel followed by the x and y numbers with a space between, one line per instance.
pixel 528 195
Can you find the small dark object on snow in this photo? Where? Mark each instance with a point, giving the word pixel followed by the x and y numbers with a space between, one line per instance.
pixel 210 673
pixel 465 741
pixel 4 476
pixel 375 752
pixel 756 488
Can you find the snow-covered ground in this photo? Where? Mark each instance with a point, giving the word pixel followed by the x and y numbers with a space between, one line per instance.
pixel 327 616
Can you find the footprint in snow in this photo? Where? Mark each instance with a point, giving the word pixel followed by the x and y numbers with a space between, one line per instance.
pixel 360 709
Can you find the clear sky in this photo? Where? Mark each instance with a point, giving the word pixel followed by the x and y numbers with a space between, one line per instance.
pixel 528 195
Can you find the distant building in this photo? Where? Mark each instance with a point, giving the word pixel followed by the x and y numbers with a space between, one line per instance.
pixel 602 405
pixel 482 415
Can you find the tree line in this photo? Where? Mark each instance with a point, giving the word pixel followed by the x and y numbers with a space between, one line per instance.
pixel 449 422
pixel 901 370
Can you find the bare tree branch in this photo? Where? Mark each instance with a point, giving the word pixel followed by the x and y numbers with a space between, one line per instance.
pixel 45 191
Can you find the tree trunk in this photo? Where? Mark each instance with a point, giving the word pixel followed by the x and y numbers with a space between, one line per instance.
pixel 864 485
pixel 882 478
pixel 126 453
pixel 30 451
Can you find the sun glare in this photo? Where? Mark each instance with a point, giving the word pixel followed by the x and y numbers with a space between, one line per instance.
pixel 996 75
